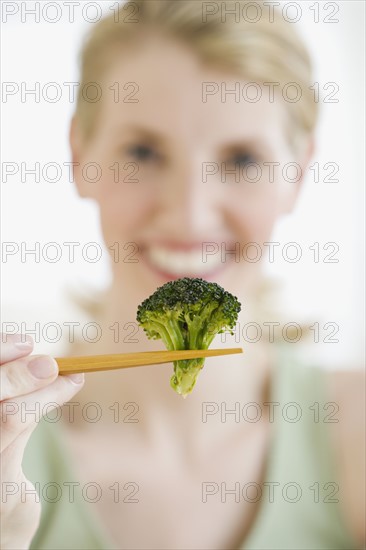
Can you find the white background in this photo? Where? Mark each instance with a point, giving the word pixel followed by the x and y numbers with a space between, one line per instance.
pixel 327 212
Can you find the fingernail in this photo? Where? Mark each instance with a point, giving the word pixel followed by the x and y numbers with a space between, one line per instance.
pixel 77 378
pixel 43 367
pixel 22 341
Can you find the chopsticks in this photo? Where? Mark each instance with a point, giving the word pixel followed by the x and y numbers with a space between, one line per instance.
pixel 92 363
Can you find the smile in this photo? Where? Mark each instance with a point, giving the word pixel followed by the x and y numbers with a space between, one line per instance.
pixel 175 263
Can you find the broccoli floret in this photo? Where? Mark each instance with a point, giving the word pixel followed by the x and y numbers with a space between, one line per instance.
pixel 187 314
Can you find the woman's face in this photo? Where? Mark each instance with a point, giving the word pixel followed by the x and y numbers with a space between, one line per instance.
pixel 183 185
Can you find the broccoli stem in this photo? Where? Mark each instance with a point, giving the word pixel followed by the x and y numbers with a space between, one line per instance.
pixel 164 334
pixel 175 333
pixel 185 375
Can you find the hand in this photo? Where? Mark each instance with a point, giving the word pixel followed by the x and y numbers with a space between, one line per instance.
pixel 24 381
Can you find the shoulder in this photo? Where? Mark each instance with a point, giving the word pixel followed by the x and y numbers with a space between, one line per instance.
pixel 346 389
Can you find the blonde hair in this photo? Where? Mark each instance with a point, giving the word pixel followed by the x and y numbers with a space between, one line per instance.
pixel 267 50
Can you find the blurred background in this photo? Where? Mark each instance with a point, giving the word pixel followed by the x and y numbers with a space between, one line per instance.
pixel 330 209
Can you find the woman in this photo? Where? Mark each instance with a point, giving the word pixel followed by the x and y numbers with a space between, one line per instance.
pixel 191 103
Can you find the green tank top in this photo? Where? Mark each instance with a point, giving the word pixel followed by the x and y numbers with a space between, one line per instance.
pixel 299 505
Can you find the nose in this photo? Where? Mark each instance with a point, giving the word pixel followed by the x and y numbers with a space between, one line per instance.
pixel 189 207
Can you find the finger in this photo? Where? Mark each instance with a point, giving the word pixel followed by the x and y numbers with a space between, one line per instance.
pixel 14 345
pixel 26 375
pixel 20 508
pixel 21 412
pixel 12 456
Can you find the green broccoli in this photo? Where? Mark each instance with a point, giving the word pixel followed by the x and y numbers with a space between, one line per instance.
pixel 187 314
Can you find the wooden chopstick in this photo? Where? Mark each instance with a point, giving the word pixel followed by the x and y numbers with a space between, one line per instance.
pixel 91 363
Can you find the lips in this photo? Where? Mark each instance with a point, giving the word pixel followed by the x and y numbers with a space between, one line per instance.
pixel 182 261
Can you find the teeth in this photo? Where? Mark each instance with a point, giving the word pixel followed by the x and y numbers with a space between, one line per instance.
pixel 180 263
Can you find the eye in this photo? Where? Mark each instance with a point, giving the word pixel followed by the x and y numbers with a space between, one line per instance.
pixel 243 159
pixel 142 153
